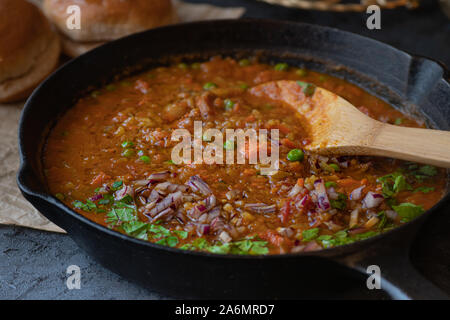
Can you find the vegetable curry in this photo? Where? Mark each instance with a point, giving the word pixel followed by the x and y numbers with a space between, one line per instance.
pixel 109 158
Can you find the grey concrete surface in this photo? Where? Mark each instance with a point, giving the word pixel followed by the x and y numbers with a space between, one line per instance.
pixel 33 265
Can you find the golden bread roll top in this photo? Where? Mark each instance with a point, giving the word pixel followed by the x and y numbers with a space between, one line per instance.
pixel 104 20
pixel 29 49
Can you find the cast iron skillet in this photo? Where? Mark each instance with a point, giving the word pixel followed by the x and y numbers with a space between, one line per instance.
pixel 412 83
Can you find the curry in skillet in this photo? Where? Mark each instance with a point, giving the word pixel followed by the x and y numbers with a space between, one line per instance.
pixel 110 158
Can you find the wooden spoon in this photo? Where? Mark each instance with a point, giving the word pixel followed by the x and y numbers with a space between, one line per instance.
pixel 336 127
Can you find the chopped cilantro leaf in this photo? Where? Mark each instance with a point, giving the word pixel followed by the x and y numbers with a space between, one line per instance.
pixel 340 203
pixel 181 234
pixel 424 189
pixel 428 170
pixel 221 249
pixel 116 185
pixel 310 234
pixel 408 211
pixel 172 241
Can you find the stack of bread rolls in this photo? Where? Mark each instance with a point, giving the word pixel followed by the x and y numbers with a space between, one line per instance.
pixel 31 42
pixel 103 21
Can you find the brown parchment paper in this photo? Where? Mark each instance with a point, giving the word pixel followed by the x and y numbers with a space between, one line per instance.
pixel 14 209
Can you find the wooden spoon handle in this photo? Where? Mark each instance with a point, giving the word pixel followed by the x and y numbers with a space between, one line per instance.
pixel 413 144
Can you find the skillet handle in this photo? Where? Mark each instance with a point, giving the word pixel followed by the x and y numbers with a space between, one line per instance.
pixel 399 278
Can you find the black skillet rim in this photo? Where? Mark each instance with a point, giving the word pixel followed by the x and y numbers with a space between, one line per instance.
pixel 333 251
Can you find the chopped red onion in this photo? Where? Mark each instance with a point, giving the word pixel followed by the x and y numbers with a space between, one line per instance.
pixel 354 215
pixel 180 217
pixel 173 199
pixel 210 202
pixel 187 198
pixel 298 249
pixel 217 224
pixel 287 232
pixel 142 200
pixel 122 193
pixel 163 213
pixel 261 207
pixel 333 226
pixel 391 214
pixel 357 193
pixel 203 218
pixel 295 190
pixel 104 189
pixel 96 197
pixel 357 230
pixel 332 193
pixel 197 184
pixel 322 199
pixel 225 237
pixel 197 211
pixel 312 246
pixel 203 229
pixel 141 183
pixel 303 201
pixel 159 176
pixel 372 200
pixel 232 194
pixel 170 187
pixel 189 227
pixel 154 196
pixel 214 213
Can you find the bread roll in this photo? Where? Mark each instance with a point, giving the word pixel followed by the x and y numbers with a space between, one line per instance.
pixel 105 20
pixel 29 49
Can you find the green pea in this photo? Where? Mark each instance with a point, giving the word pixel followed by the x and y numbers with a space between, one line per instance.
pixel 59 196
pixel 209 85
pixel 228 104
pixel 195 65
pixel 243 86
pixel 110 87
pixel 330 184
pixel 295 155
pixel 398 121
pixel 308 88
pixel 183 66
pixel 281 67
pixel 301 72
pixel 323 78
pixel 128 153
pixel 145 159
pixel 334 166
pixel 244 62
pixel 127 144
pixel 125 83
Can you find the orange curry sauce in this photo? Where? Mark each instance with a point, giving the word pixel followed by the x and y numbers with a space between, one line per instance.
pixel 102 156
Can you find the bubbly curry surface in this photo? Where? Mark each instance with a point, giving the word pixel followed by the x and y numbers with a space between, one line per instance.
pixel 109 158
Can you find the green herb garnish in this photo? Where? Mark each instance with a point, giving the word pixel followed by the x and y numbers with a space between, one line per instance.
pixel 209 86
pixel 308 88
pixel 310 234
pixel 281 66
pixel 340 203
pixel 408 211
